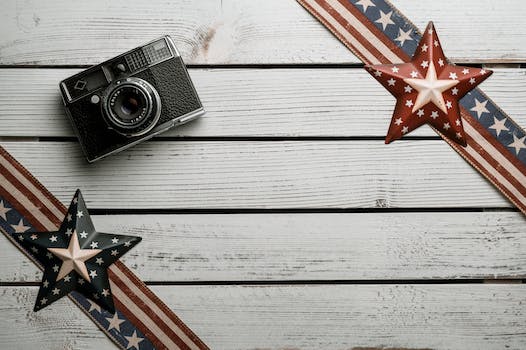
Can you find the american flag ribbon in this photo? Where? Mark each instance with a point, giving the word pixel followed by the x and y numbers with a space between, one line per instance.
pixel 141 321
pixel 377 33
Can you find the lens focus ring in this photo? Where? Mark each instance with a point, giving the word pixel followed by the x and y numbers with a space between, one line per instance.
pixel 131 106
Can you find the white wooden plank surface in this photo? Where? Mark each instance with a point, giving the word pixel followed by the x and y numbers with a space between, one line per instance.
pixel 250 102
pixel 250 174
pixel 228 31
pixel 256 247
pixel 438 317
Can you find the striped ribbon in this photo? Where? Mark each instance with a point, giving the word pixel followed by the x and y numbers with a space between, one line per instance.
pixel 499 155
pixel 144 322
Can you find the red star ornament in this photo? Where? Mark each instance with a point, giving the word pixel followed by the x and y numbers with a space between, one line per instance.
pixel 427 90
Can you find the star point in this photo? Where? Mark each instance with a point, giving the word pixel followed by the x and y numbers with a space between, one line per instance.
pixel 499 125
pixel 94 306
pixel 115 322
pixel 3 210
pixel 20 227
pixel 133 341
pixel 480 108
pixel 385 19
pixel 518 144
pixel 404 36
pixel 365 4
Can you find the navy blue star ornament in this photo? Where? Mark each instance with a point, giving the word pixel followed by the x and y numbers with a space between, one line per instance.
pixel 76 257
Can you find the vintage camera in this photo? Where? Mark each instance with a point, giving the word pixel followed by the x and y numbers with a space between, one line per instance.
pixel 130 98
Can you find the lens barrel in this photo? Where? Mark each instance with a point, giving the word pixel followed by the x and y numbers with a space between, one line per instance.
pixel 131 106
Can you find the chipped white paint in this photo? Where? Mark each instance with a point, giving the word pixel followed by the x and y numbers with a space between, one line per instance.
pixel 240 32
pixel 438 317
pixel 252 174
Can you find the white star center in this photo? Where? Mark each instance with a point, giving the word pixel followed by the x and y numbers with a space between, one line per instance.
pixel 430 89
pixel 73 258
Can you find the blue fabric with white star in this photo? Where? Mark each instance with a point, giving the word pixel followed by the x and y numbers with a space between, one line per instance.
pixel 406 36
pixel 119 327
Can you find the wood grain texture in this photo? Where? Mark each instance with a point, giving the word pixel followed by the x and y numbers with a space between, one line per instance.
pixel 251 174
pixel 238 32
pixel 438 317
pixel 274 247
pixel 327 102
pixel 250 102
pixel 66 327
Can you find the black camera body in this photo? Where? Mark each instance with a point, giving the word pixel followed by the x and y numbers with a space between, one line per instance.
pixel 130 98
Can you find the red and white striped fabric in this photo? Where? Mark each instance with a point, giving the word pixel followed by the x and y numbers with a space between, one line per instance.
pixel 132 297
pixel 372 45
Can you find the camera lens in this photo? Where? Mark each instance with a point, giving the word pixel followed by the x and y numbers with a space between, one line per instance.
pixel 128 104
pixel 131 106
